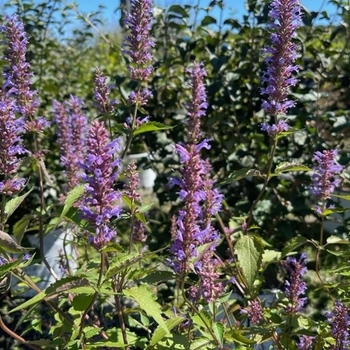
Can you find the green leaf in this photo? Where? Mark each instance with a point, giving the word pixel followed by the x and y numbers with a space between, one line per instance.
pixel 249 254
pixel 294 243
pixel 289 166
pixel 336 240
pixel 237 337
pixel 178 9
pixel 218 330
pixel 8 244
pixel 122 262
pixel 207 20
pixel 240 174
pixel 160 333
pixel 20 227
pixel 146 300
pixel 65 285
pixel 158 276
pixel 270 256
pixel 14 203
pixel 151 126
pixel 203 319
pixel 71 198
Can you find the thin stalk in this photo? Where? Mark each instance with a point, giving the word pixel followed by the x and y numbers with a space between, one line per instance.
pixel 83 317
pixel 194 309
pixel 267 179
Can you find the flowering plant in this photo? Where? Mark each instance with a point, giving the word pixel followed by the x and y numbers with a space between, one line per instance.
pixel 209 270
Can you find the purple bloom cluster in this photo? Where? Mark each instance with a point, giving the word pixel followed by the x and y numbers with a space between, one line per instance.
pixel 305 342
pixel 10 146
pixel 295 287
pixel 193 227
pixel 138 43
pixel 279 58
pixel 253 311
pixel 101 91
pixel 340 322
pixel 99 204
pixel 71 124
pixel 17 75
pixel 323 181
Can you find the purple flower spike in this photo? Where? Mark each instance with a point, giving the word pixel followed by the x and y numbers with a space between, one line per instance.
pixel 102 102
pixel 286 17
pixel 253 311
pixel 99 204
pixel 192 227
pixel 294 285
pixel 279 58
pixel 138 43
pixel 323 181
pixel 17 75
pixel 71 124
pixel 340 321
pixel 11 147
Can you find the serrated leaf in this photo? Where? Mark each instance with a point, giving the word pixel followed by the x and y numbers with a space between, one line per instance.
pixel 146 300
pixel 270 256
pixel 122 262
pixel 218 330
pixel 71 198
pixel 151 126
pixel 293 244
pixel 336 240
pixel 14 203
pixel 249 255
pixel 160 333
pixel 288 166
pixel 203 319
pixel 240 174
pixel 158 276
pixel 64 285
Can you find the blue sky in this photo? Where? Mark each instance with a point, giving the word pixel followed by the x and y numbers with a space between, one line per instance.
pixel 231 6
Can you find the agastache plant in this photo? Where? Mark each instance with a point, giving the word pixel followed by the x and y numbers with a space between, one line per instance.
pixel 339 320
pixel 193 226
pixel 100 203
pixel 17 74
pixel 295 287
pixel 324 175
pixel 11 146
pixel 279 59
pixel 71 130
pixel 137 46
pixel 102 102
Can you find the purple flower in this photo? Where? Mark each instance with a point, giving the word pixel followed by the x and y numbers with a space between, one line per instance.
pixel 305 342
pixel 253 311
pixel 279 57
pixel 99 204
pixel 71 124
pixel 192 228
pixel 17 75
pixel 102 102
pixel 275 129
pixel 323 179
pixel 340 321
pixel 295 287
pixel 137 45
pixel 11 147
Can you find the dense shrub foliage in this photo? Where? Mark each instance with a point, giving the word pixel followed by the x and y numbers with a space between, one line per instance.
pixel 242 242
